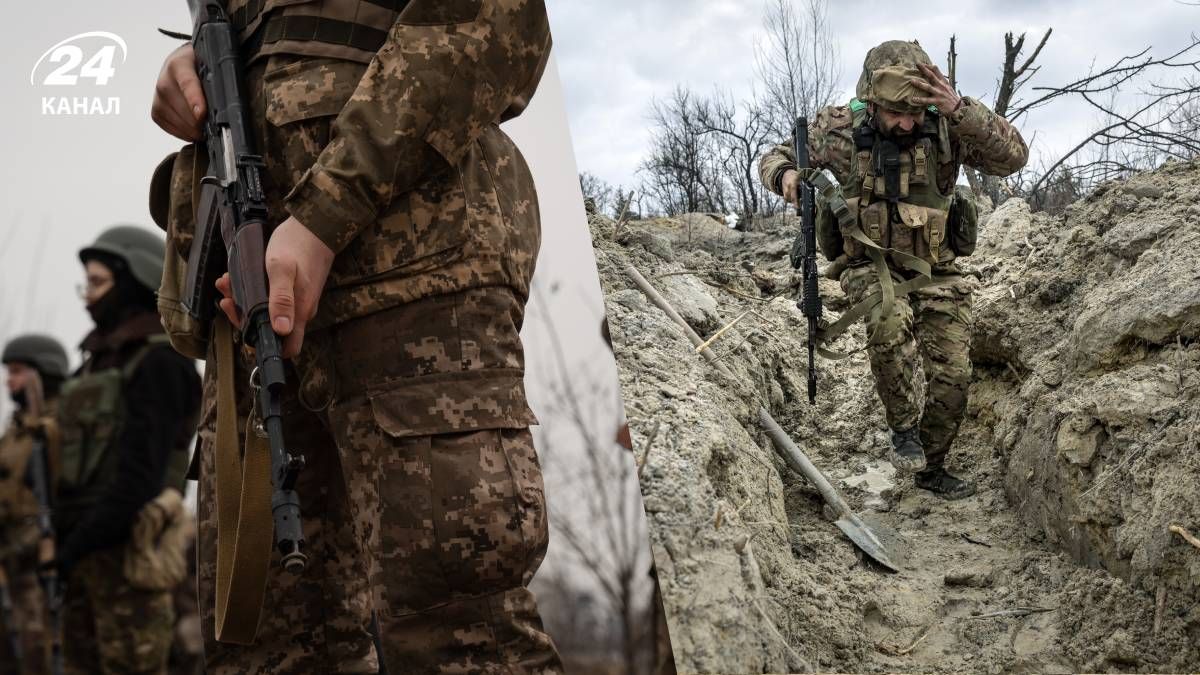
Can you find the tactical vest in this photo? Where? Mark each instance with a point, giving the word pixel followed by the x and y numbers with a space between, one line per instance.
pixel 17 501
pixel 352 30
pixel 895 190
pixel 91 414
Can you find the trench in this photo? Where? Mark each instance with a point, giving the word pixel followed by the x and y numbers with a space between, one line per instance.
pixel 1047 568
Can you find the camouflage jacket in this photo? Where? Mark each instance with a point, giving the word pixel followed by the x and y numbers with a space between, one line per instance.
pixel 397 162
pixel 980 139
pixel 400 165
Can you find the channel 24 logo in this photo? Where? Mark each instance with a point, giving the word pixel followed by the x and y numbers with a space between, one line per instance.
pixel 87 60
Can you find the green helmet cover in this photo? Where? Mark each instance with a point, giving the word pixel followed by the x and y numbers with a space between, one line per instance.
pixel 40 351
pixel 140 249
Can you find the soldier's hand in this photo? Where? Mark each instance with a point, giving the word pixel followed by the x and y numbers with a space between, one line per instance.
pixel 791 186
pixel 297 265
pixel 179 106
pixel 941 94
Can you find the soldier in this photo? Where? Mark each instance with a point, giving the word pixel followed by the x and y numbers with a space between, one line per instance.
pixel 896 149
pixel 25 358
pixel 127 417
pixel 405 232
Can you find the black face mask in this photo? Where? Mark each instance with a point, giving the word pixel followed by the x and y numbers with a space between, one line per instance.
pixel 106 311
pixel 18 397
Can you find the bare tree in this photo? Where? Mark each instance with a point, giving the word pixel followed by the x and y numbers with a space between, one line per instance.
pixel 740 137
pixel 603 525
pixel 682 173
pixel 597 193
pixel 1143 120
pixel 797 63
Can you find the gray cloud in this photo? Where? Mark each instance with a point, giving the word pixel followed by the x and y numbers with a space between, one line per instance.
pixel 615 56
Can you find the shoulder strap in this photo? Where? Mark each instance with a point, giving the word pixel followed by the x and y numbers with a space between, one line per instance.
pixel 156 340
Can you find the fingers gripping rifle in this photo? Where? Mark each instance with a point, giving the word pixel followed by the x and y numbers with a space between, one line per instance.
pixel 231 220
pixel 810 299
pixel 38 475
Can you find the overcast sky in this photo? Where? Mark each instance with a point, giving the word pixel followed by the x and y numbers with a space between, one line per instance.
pixel 615 56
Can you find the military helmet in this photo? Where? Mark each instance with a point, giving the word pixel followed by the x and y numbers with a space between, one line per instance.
pixel 40 351
pixel 141 250
pixel 887 73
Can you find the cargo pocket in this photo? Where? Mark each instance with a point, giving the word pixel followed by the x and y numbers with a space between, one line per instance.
pixel 457 512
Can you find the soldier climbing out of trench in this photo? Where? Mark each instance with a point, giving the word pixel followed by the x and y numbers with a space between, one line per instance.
pixel 896 150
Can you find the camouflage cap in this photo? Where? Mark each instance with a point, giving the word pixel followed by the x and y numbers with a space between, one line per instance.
pixel 887 75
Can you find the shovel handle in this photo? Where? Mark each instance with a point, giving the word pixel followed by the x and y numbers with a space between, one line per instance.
pixel 796 459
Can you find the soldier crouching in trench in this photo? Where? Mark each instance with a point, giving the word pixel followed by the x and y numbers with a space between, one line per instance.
pixel 896 150
pixel 403 212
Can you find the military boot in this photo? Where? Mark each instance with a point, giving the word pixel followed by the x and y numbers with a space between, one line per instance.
pixel 908 455
pixel 943 484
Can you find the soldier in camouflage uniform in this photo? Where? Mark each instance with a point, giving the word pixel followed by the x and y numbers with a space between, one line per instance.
pixel 907 112
pixel 24 357
pixel 406 229
pixel 127 417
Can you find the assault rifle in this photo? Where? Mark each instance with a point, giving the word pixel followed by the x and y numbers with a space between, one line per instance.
pixel 230 236
pixel 810 298
pixel 38 474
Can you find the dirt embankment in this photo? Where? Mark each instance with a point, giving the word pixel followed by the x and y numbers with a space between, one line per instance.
pixel 1080 436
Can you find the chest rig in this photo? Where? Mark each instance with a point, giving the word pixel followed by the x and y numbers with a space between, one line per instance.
pixel 894 190
pixel 17 500
pixel 351 30
pixel 92 413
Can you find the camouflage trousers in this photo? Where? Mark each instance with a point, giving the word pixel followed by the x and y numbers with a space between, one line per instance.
pixel 28 618
pixel 935 323
pixel 435 535
pixel 111 627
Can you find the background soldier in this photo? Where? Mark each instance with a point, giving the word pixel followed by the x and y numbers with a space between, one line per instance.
pixel 410 219
pixel 127 418
pixel 24 357
pixel 897 150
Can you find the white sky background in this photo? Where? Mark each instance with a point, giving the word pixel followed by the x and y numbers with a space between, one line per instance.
pixel 65 179
pixel 614 56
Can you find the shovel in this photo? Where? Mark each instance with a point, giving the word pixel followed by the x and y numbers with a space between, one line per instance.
pixel 847 521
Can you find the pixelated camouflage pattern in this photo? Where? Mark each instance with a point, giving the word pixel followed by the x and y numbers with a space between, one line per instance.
pixel 19 536
pixel 941 315
pixel 109 626
pixel 28 602
pixel 438 533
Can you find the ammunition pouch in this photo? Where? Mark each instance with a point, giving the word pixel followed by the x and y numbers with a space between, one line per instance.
pixel 963 221
pixel 176 182
pixel 156 553
pixel 919 231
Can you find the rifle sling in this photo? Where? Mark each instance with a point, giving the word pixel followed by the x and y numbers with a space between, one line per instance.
pixel 245 529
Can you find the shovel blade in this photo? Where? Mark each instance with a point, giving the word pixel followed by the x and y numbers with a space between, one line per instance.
pixel 865 539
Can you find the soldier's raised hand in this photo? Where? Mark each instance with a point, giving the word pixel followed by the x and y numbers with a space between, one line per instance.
pixel 941 94
pixel 179 106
